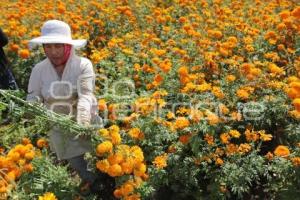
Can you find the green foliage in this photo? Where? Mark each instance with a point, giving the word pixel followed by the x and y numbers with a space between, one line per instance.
pixel 46 177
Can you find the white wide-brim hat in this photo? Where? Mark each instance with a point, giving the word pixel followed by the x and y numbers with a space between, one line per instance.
pixel 55 31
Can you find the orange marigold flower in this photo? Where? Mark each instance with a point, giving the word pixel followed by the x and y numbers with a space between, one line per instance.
pixel 231 149
pixel 28 167
pixel 296 161
pixel 103 165
pixel 136 133
pixel 209 139
pixel 295 84
pixel 115 158
pixel 242 93
pixel 275 69
pixel 219 161
pixel 251 136
pixel 284 14
pixel 184 139
pixel 269 156
pixel 115 138
pixel 212 118
pixel 104 147
pixel 183 71
pixel 26 141
pixel 296 12
pixel 225 138
pixel 160 161
pixel 24 53
pixel 215 34
pixel 181 123
pixel 118 193
pixel 293 93
pixel 282 151
pixel 296 103
pixel 29 155
pixel 102 105
pixel 115 170
pixel 127 167
pixel 42 143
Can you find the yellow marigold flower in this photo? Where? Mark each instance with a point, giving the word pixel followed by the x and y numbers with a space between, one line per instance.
pixel 293 79
pixel 103 132
pixel 160 161
pixel 223 109
pixel 115 138
pixel 114 128
pixel 158 52
pixel 196 115
pixel 140 169
pixel 103 165
pixel 137 153
pixel 212 118
pixel 170 115
pixel 275 69
pixel 244 148
pixel 181 123
pixel 230 78
pixel 243 94
pixel 218 92
pixel 234 133
pixel 104 147
pixel 282 151
pixel 203 87
pixel 48 196
pixel 14 156
pixel 265 137
pixel 295 114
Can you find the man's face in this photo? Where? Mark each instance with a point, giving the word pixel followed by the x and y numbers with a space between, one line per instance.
pixel 55 53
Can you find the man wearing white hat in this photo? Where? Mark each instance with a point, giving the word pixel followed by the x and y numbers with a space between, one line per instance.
pixel 64 83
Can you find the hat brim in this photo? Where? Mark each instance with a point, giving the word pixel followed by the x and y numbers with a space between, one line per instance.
pixel 59 39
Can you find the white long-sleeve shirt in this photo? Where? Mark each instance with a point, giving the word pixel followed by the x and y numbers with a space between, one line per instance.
pixel 70 94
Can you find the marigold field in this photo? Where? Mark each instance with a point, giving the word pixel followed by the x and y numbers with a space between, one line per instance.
pixel 200 99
